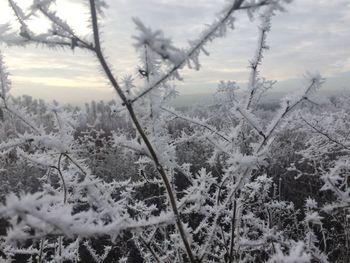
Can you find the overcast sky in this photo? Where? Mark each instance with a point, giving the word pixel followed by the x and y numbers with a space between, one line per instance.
pixel 311 35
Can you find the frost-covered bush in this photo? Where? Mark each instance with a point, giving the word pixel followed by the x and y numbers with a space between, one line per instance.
pixel 196 194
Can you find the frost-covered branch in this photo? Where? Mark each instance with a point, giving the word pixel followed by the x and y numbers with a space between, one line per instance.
pixel 318 130
pixel 56 37
pixel 289 104
pixel 140 130
pixel 199 123
pixel 217 29
pixel 254 81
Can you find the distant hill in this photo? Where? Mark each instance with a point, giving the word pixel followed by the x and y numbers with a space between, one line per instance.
pixel 333 86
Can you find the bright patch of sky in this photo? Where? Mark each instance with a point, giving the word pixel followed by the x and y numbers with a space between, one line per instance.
pixel 311 35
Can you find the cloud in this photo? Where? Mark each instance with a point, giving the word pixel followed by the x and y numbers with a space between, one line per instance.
pixel 312 35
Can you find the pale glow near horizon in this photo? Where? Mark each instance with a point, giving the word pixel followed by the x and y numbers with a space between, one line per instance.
pixel 312 35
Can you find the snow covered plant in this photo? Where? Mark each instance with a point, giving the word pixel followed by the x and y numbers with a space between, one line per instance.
pixel 225 211
pixel 326 155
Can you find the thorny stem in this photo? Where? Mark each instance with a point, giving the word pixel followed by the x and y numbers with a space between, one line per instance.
pixel 254 66
pixel 140 130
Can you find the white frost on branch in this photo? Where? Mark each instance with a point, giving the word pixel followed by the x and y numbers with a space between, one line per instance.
pixel 156 41
pixel 296 254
